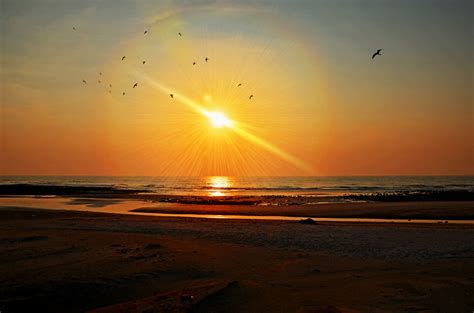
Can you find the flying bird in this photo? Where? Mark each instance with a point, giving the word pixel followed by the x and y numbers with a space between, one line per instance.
pixel 143 62
pixel 171 95
pixel 206 59
pixel 123 58
pixel 376 53
pixel 74 28
pixel 84 81
pixel 251 96
pixel 123 93
pixel 136 84
pixel 240 84
pixel 180 34
pixel 146 31
pixel 194 63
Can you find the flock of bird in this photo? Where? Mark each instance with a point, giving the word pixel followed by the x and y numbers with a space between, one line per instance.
pixel 194 63
pixel 143 62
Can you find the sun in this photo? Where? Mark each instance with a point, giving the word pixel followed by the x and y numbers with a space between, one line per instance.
pixel 219 120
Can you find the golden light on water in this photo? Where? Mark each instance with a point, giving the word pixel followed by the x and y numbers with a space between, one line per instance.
pixel 217 183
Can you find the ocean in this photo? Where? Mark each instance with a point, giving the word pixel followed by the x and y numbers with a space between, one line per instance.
pixel 240 186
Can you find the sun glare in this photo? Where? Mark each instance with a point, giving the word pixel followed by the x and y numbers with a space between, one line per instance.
pixel 219 120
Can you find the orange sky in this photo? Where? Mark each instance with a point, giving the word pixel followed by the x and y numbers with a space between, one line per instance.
pixel 319 100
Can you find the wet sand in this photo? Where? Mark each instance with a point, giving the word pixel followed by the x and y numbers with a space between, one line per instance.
pixel 452 210
pixel 65 261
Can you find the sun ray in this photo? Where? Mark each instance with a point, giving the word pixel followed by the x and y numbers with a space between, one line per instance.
pixel 219 120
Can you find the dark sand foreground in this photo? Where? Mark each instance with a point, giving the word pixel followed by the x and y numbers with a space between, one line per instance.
pixel 65 261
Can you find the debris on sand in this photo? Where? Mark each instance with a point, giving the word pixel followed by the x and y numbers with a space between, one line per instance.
pixel 308 221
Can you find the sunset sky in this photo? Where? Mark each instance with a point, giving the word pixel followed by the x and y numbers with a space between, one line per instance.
pixel 320 106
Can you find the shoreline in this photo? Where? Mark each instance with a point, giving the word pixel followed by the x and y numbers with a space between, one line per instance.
pixel 456 211
pixel 157 264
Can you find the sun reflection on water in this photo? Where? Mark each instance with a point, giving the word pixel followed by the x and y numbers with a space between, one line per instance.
pixel 218 185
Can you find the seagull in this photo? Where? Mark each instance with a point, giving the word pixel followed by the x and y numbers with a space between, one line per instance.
pixel 143 62
pixel 251 96
pixel 180 34
pixel 171 95
pixel 136 84
pixel 194 63
pixel 146 31
pixel 240 84
pixel 123 58
pixel 206 59
pixel 84 81
pixel 376 53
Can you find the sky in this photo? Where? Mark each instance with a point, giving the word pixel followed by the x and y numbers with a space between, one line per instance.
pixel 320 105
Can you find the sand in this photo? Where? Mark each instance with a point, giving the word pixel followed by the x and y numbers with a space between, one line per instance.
pixel 65 261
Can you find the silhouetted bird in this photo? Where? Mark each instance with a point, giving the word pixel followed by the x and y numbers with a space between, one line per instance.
pixel 239 85
pixel 123 93
pixel 180 34
pixel 146 31
pixel 123 58
pixel 171 95
pixel 194 63
pixel 206 59
pixel 84 81
pixel 74 28
pixel 143 62
pixel 376 53
pixel 136 84
pixel 251 96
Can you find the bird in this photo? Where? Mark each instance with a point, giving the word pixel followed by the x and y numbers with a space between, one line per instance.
pixel 376 53
pixel 136 84
pixel 143 62
pixel 123 93
pixel 100 73
pixel 194 63
pixel 171 95
pixel 206 59
pixel 74 28
pixel 123 58
pixel 146 31
pixel 99 81
pixel 251 96
pixel 180 34
pixel 110 85
pixel 240 84
pixel 84 81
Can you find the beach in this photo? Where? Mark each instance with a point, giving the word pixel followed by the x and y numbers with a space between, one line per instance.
pixel 84 261
pixel 105 248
